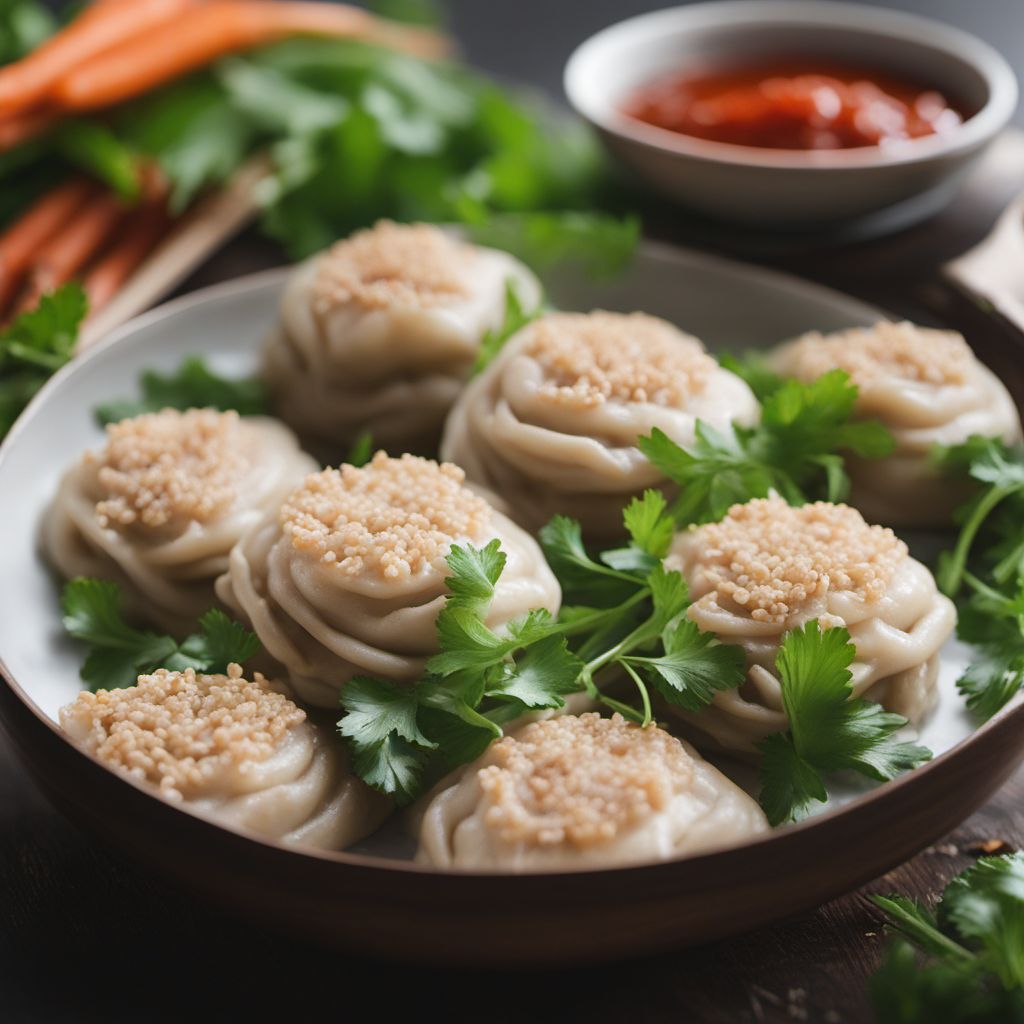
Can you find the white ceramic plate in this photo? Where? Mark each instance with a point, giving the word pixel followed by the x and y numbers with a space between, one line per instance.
pixel 726 304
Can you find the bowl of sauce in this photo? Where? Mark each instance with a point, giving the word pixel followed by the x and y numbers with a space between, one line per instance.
pixel 797 114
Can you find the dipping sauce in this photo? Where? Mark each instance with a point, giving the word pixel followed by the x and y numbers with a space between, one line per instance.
pixel 792 104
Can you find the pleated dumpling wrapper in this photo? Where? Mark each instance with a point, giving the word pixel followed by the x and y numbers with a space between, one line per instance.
pixel 349 576
pixel 234 749
pixel 552 423
pixel 768 568
pixel 928 388
pixel 379 333
pixel 584 791
pixel 160 506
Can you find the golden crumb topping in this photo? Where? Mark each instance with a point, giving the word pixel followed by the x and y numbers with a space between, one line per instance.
pixel 580 780
pixel 591 358
pixel 393 517
pixel 389 264
pixel 901 350
pixel 772 559
pixel 169 466
pixel 180 730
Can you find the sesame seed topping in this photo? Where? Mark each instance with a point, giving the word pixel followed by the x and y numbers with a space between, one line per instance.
pixel 179 730
pixel 901 350
pixel 393 517
pixel 169 466
pixel 773 559
pixel 416 265
pixel 580 780
pixel 590 358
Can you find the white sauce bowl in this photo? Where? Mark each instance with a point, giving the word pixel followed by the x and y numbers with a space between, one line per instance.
pixel 903 181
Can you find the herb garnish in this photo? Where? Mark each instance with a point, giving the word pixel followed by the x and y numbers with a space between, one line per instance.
pixel 403 736
pixel 34 346
pixel 963 963
pixel 795 450
pixel 991 597
pixel 828 732
pixel 193 386
pixel 119 653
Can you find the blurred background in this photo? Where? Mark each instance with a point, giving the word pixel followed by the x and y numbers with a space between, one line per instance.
pixel 502 35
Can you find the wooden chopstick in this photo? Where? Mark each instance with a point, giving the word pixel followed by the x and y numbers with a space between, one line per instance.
pixel 195 237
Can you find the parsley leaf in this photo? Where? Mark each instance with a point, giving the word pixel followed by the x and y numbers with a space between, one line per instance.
pixel 361 451
pixel 991 597
pixel 193 386
pixel 514 320
pixel 828 731
pixel 35 345
pixel 118 653
pixel 474 572
pixel 795 450
pixel 694 666
pixel 963 964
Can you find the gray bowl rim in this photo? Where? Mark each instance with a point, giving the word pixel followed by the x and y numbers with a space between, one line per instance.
pixel 978 130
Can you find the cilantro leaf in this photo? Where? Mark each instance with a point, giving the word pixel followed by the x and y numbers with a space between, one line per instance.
pixel 715 474
pixel 578 573
pixel 361 451
pixel 752 367
pixel 694 666
pixel 35 345
pixel 545 673
pixel 963 964
pixel 376 709
pixel 985 905
pixel 474 572
pixel 648 523
pixel 790 785
pixel 394 766
pixel 221 642
pixel 515 319
pixel 828 731
pixel 795 450
pixel 118 653
pixel 193 386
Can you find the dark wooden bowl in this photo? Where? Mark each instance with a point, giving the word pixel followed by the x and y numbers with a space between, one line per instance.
pixel 403 911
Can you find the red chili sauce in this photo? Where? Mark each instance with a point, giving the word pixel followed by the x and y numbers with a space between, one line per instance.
pixel 793 104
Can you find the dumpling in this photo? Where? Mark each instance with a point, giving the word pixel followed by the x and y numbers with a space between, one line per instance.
pixel 552 424
pixel 586 791
pixel 379 333
pixel 928 388
pixel 768 567
pixel 161 505
pixel 233 749
pixel 348 577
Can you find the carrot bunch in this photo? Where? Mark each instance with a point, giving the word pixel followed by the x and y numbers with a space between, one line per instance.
pixel 112 52
pixel 118 49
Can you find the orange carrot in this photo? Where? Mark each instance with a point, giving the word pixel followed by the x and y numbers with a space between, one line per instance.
pixel 102 26
pixel 139 237
pixel 34 228
pixel 67 252
pixel 205 33
pixel 23 128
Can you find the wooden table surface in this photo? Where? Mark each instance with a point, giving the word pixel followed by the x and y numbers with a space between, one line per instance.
pixel 86 935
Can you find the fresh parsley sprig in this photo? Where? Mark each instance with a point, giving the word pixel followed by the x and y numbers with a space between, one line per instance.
pixel 192 386
pixel 796 450
pixel 120 653
pixel 35 345
pixel 403 736
pixel 828 732
pixel 963 963
pixel 514 320
pixel 985 570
